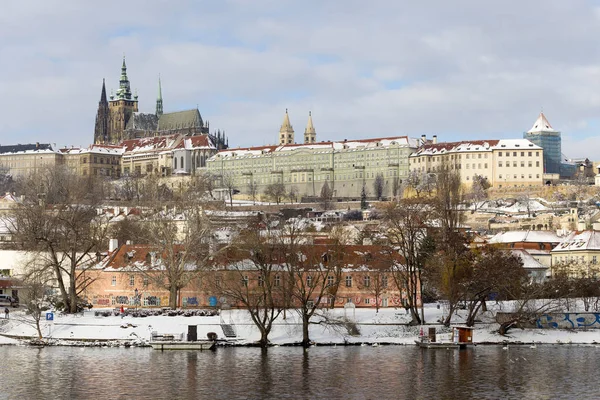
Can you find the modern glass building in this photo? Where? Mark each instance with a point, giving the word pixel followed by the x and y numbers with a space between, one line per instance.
pixel 547 138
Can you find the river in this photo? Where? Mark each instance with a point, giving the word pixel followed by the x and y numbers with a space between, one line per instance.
pixel 384 372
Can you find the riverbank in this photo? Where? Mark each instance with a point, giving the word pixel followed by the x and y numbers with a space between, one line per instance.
pixel 388 326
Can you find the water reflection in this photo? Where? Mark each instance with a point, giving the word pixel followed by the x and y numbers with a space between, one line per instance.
pixel 288 372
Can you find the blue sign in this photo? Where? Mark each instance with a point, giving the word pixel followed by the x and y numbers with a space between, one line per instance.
pixel 212 301
pixel 49 316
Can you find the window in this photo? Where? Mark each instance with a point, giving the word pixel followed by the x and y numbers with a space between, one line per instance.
pixel 367 281
pixel 175 163
pixel 367 301
pixel 485 165
pixel 500 163
pixel 277 281
pixel 514 153
pixel 261 280
pixel 479 155
pixel 384 281
pixel 131 280
pixel 245 280
pixel 499 154
pixel 522 164
pixel 500 176
pixel 309 281
pixel 529 154
pixel 330 281
pixel 522 154
pixel 113 281
pixel 145 281
pixel 537 153
pixel 594 260
pixel 537 163
pixel 529 164
pixel 348 281
pixel 514 163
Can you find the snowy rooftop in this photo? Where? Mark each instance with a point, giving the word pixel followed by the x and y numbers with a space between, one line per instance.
pixel 475 146
pixel 325 146
pixel 528 261
pixel 586 240
pixel 526 237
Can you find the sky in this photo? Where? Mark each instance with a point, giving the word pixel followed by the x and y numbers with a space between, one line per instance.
pixel 458 69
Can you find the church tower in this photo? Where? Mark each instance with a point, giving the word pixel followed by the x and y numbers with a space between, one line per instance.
pixel 310 135
pixel 102 118
pixel 159 101
pixel 286 132
pixel 122 106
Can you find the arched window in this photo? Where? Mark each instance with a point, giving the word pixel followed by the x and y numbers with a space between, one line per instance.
pixel 182 162
pixel 174 162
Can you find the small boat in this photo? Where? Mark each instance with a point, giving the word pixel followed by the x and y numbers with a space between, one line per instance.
pixel 181 345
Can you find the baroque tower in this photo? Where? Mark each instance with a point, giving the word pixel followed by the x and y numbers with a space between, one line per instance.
pixel 122 106
pixel 310 135
pixel 159 101
pixel 286 132
pixel 102 118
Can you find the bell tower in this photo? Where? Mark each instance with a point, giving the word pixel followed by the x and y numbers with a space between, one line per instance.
pixel 121 106
pixel 286 132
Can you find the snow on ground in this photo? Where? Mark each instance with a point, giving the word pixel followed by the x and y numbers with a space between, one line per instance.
pixel 387 326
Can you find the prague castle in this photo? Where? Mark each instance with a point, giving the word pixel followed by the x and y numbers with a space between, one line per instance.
pixel 118 118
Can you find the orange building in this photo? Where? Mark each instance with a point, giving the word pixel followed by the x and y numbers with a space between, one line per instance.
pixel 362 276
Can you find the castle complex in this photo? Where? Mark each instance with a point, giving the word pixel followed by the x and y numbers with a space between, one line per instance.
pixel 119 119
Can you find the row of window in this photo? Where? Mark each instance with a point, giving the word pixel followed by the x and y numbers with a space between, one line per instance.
pixel 537 176
pixel 113 281
pixel 514 164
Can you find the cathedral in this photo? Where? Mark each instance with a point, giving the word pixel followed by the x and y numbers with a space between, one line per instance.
pixel 119 119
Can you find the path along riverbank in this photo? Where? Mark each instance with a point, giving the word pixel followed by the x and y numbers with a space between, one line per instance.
pixel 388 326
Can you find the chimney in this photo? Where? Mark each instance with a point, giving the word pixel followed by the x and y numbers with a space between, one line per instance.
pixel 113 244
pixel 423 139
pixel 434 140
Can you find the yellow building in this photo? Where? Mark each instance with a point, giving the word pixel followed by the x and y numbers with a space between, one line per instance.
pixel 579 254
pixel 96 160
pixel 504 163
pixel 25 159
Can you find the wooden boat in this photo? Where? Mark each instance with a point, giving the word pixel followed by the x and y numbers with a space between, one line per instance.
pixel 181 345
pixel 424 343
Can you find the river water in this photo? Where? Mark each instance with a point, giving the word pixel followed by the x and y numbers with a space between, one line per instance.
pixel 385 372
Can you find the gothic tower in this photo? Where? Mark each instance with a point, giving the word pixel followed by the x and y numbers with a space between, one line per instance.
pixel 310 135
pixel 159 101
pixel 286 132
pixel 122 106
pixel 102 118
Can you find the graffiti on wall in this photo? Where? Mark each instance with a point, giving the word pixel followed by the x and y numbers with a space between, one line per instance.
pixel 569 321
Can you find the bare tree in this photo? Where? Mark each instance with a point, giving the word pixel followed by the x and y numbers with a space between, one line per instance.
pixel 375 282
pixel 406 224
pixel 363 198
pixel 378 186
pixel 488 274
pixel 252 278
pixel 396 188
pixel 275 191
pixel 35 288
pixel 326 196
pixel 228 181
pixel 293 194
pixel 252 190
pixel 182 250
pixel 478 192
pixel 310 271
pixel 58 220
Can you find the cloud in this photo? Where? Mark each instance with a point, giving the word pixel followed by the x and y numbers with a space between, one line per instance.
pixel 462 70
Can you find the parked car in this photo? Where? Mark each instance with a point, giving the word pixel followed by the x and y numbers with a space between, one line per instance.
pixel 6 300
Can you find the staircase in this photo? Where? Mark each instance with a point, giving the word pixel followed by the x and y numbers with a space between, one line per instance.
pixel 228 330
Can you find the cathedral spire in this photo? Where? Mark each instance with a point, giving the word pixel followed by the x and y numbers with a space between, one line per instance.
pixel 310 135
pixel 124 91
pixel 159 100
pixel 102 118
pixel 286 132
pixel 103 94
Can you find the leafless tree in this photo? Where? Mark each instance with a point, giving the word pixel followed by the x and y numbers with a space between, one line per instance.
pixel 182 247
pixel 57 219
pixel 405 224
pixel 275 191
pixel 326 196
pixel 292 194
pixel 252 277
pixel 228 181
pixel 35 285
pixel 252 190
pixel 478 192
pixel 397 188
pixel 378 186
